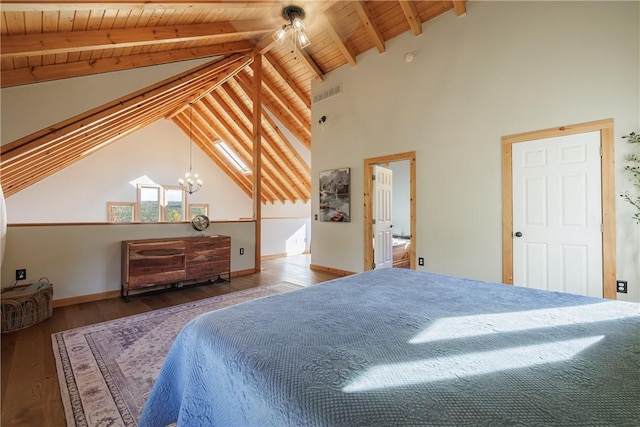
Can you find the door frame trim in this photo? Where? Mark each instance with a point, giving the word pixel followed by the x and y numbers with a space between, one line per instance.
pixel 368 204
pixel 607 164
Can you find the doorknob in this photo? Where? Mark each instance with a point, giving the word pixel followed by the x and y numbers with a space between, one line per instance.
pixel 518 234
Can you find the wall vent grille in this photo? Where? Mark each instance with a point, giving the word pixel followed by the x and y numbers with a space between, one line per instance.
pixel 329 93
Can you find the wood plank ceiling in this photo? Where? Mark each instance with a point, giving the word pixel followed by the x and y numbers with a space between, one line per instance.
pixel 46 40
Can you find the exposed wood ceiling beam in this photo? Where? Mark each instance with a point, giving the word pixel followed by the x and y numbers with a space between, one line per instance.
pixel 282 74
pixel 269 85
pixel 215 126
pixel 310 63
pixel 271 168
pixel 369 25
pixel 106 36
pixel 53 157
pixel 302 134
pixel 235 126
pixel 80 41
pixel 96 128
pixel 218 121
pixel 245 185
pixel 95 66
pixel 274 157
pixel 206 117
pixel 222 77
pixel 96 117
pixel 342 47
pixel 56 5
pixel 410 12
pixel 264 45
pixel 305 171
pixel 228 91
pixel 257 158
pixel 303 174
pixel 20 173
pixel 460 7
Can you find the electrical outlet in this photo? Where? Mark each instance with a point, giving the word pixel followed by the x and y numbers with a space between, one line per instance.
pixel 241 251
pixel 420 261
pixel 21 274
pixel 621 286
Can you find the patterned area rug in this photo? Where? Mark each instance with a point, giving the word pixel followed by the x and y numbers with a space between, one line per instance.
pixel 107 370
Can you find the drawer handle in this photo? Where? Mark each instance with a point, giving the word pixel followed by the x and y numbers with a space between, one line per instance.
pixel 160 252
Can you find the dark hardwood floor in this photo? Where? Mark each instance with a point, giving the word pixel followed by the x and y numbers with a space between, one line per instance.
pixel 30 390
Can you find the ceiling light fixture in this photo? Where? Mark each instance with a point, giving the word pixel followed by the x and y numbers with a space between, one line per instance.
pixel 191 183
pixel 296 27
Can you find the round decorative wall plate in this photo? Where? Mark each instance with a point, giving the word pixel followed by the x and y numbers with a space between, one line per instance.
pixel 200 222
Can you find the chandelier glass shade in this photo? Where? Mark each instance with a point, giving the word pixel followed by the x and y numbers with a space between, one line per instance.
pixel 191 183
pixel 295 27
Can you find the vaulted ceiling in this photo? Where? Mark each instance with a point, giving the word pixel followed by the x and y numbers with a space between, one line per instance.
pixel 46 40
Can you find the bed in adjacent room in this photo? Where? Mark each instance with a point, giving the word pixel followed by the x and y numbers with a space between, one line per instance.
pixel 401 252
pixel 400 347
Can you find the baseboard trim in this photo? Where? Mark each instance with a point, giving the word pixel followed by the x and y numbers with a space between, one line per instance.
pixel 273 256
pixel 243 272
pixel 114 294
pixel 281 255
pixel 337 271
pixel 84 298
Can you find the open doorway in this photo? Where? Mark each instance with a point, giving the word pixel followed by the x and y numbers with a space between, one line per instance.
pixel 405 234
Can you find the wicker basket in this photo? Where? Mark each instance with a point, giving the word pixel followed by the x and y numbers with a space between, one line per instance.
pixel 26 305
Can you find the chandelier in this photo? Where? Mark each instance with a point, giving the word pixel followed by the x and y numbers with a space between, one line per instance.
pixel 295 27
pixel 191 183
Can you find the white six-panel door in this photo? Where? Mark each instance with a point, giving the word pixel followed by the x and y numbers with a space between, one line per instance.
pixel 382 217
pixel 557 214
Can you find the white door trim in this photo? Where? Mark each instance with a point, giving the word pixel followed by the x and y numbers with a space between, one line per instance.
pixel 605 127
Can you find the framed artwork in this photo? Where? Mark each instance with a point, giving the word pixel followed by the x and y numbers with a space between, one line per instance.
pixel 121 211
pixel 335 198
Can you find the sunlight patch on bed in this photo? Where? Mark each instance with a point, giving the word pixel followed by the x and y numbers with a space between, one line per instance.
pixel 467 365
pixel 486 324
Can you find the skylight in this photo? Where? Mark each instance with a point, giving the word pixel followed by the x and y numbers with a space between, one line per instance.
pixel 232 157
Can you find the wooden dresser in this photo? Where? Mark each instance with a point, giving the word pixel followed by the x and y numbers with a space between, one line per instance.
pixel 174 262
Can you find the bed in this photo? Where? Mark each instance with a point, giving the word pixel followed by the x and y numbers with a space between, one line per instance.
pixel 401 249
pixel 400 347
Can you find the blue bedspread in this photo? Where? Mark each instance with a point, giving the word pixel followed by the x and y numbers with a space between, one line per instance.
pixel 399 347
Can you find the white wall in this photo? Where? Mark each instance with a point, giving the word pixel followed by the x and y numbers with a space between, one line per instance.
pixel 504 68
pixel 85 259
pixel 290 236
pixel 286 228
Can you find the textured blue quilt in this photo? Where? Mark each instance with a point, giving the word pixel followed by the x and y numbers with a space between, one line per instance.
pixel 399 347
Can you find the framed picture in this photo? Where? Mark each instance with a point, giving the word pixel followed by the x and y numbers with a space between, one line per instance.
pixel 335 199
pixel 121 211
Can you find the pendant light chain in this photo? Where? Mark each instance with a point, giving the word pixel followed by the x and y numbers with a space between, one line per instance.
pixel 193 183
